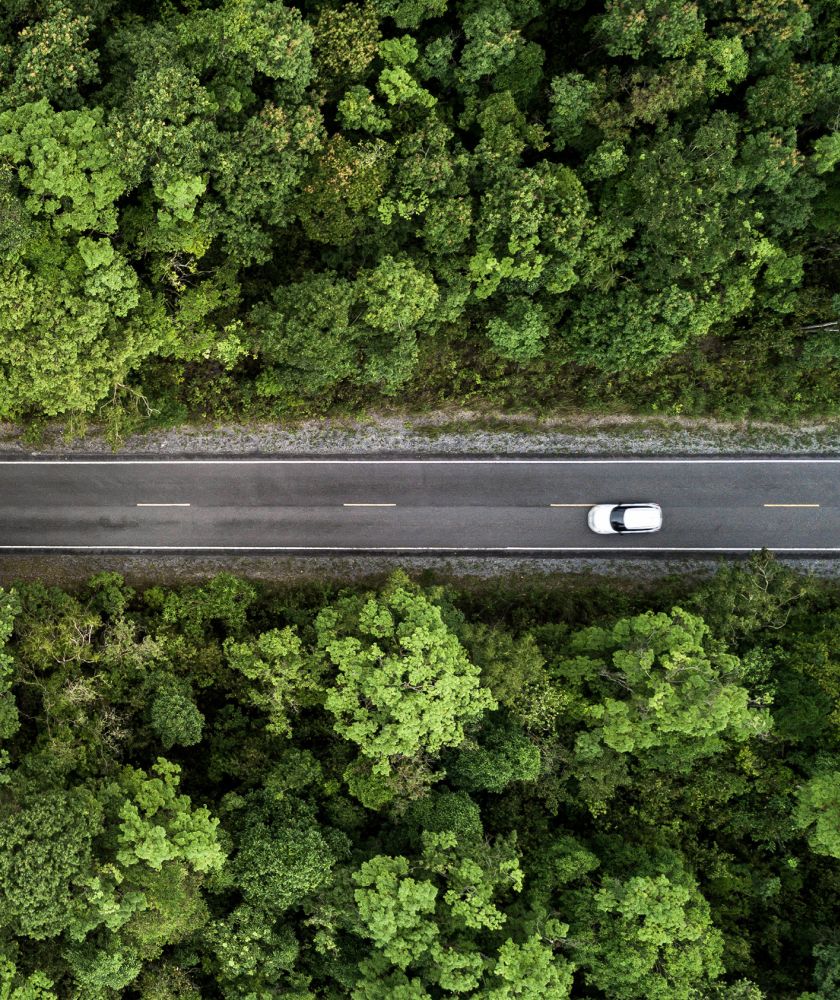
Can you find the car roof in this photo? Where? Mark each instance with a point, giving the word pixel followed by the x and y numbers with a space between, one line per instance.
pixel 637 518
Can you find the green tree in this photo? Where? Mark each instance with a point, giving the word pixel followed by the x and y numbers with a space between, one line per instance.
pixel 281 675
pixel 826 973
pixel 573 99
pixel 73 326
pixel 404 683
pixel 346 42
pixel 282 855
pixel 636 27
pixel 625 824
pixel 53 59
pixel 46 840
pixel 306 333
pixel 157 825
pixel 341 190
pixel 247 953
pixel 398 300
pixel 501 754
pixel 742 602
pixel 513 667
pixel 259 171
pixel 102 965
pixel 174 714
pixel 410 13
pixel 9 721
pixel 818 812
pixel 650 935
pixel 14 986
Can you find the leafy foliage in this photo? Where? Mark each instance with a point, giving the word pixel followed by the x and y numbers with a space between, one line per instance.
pixel 404 682
pixel 417 792
pixel 247 207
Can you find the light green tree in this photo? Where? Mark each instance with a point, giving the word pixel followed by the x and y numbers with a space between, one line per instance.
pixel 395 910
pixel 529 232
pixel 666 686
pixel 16 986
pixel 530 971
pixel 818 812
pixel 65 161
pixel 649 936
pixel 404 685
pixel 436 922
pixel 521 331
pixel 158 825
pixel 657 692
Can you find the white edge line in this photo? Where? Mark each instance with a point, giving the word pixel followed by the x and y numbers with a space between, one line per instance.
pixel 405 548
pixel 369 505
pixel 420 461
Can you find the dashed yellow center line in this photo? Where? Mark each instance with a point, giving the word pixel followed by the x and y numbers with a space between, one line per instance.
pixel 811 505
pixel 370 505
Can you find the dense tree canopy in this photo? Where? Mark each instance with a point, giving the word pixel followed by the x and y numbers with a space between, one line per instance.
pixel 228 206
pixel 579 793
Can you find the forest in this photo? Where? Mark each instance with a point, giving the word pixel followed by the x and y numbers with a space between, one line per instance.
pixel 239 208
pixel 416 791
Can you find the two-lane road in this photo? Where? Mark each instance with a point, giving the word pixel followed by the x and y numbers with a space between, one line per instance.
pixel 499 505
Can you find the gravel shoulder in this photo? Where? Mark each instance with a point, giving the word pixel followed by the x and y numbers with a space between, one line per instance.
pixel 67 570
pixel 452 432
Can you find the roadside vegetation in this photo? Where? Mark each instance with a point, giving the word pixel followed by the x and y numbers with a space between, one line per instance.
pixel 418 793
pixel 244 209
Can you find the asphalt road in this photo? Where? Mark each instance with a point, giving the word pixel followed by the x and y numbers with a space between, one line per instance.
pixel 513 505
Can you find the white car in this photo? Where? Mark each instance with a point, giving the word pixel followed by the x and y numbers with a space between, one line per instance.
pixel 625 518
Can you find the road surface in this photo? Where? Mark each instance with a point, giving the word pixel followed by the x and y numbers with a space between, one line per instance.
pixel 416 505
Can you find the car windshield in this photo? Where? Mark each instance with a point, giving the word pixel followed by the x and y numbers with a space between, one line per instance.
pixel 617 518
